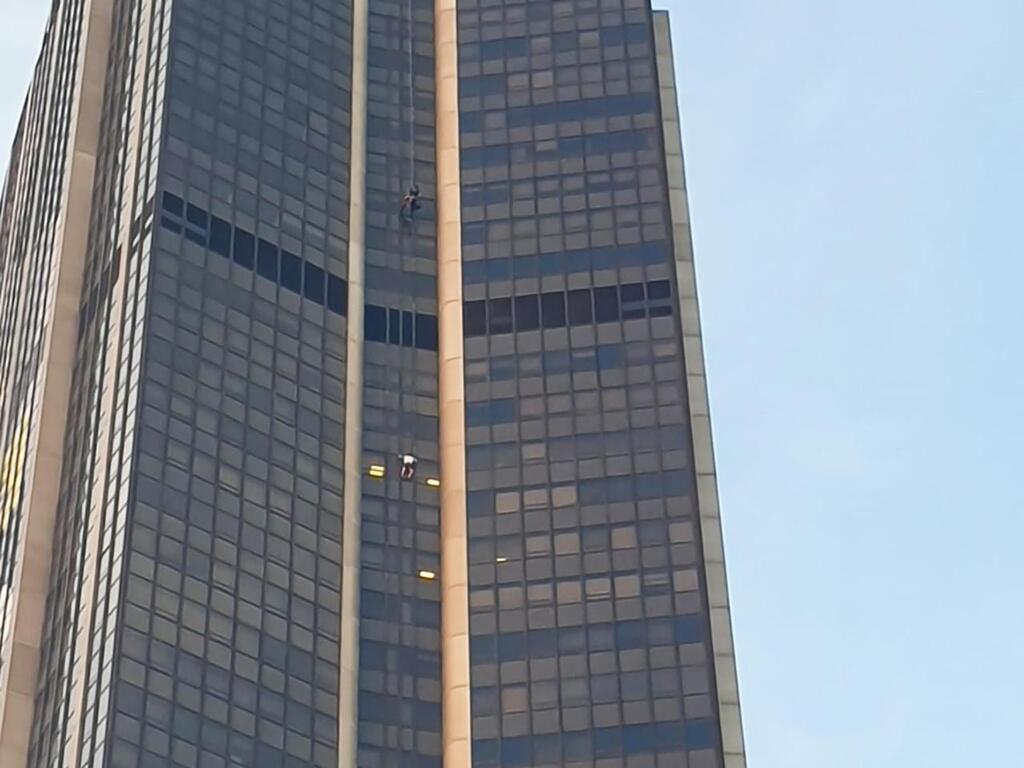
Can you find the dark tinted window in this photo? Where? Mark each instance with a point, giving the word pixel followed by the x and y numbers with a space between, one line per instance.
pixel 500 314
pixel 196 216
pixel 291 271
pixel 659 289
pixel 407 323
pixel 174 204
pixel 426 332
pixel 606 304
pixel 659 295
pixel 552 310
pixel 220 236
pixel 266 260
pixel 475 318
pixel 527 313
pixel 580 310
pixel 632 300
pixel 394 326
pixel 245 245
pixel 376 320
pixel 337 294
pixel 314 284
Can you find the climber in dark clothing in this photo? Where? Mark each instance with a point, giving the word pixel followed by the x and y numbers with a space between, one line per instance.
pixel 411 202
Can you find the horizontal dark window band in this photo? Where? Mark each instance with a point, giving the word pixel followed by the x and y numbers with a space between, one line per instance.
pixel 400 327
pixel 268 260
pixel 250 252
pixel 560 309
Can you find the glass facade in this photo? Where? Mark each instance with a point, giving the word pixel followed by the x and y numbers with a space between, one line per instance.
pixel 81 628
pixel 30 204
pixel 195 608
pixel 228 628
pixel 590 637
pixel 400 643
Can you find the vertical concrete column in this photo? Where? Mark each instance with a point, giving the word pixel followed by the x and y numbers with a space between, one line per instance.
pixel 457 740
pixel 116 323
pixel 351 533
pixel 700 419
pixel 30 585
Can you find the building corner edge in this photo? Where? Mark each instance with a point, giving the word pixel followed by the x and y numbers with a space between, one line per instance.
pixel 726 681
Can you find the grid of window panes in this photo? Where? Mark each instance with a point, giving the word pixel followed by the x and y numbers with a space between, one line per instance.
pixel 77 668
pixel 52 700
pixel 228 627
pixel 589 630
pixel 29 209
pixel 400 662
pixel 146 36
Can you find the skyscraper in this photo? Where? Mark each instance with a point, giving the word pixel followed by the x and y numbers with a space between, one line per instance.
pixel 352 402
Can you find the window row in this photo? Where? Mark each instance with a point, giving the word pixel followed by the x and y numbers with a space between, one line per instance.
pixel 382 324
pixel 576 146
pixel 557 309
pixel 621 635
pixel 245 249
pixel 554 187
pixel 538 114
pixel 599 742
pixel 484 262
pixel 393 326
pixel 560 42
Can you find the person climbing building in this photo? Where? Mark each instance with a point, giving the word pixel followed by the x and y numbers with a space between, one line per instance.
pixel 409 463
pixel 411 202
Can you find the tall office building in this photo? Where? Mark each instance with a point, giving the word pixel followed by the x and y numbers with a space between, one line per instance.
pixel 292 474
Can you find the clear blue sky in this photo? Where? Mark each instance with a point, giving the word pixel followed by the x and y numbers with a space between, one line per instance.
pixel 856 173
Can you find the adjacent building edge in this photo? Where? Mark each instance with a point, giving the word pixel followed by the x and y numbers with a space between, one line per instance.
pixel 700 420
pixel 31 582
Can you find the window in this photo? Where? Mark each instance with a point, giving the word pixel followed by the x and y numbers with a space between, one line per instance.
pixel 314 283
pixel 580 310
pixel 220 237
pixel 475 318
pixel 407 328
pixel 266 260
pixel 632 300
pixel 291 271
pixel 659 289
pixel 527 313
pixel 394 326
pixel 659 294
pixel 243 252
pixel 376 323
pixel 426 332
pixel 606 304
pixel 196 216
pixel 500 315
pixel 552 310
pixel 337 294
pixel 174 204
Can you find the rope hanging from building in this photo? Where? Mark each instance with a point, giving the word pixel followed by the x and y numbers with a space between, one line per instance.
pixel 411 200
pixel 412 102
